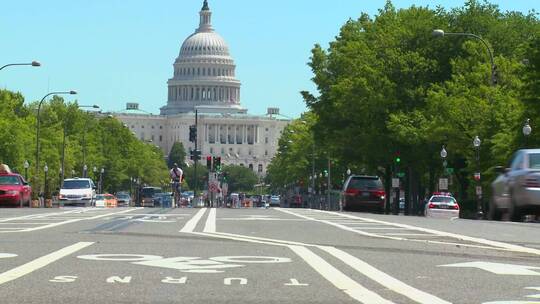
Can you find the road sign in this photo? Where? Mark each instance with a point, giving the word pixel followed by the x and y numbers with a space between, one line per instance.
pixel 443 184
pixel 213 186
pixel 395 182
pixel 499 268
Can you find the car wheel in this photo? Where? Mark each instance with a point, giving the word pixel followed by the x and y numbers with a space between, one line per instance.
pixel 494 213
pixel 514 213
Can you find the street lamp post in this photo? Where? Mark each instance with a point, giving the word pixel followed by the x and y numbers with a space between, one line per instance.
pixel 101 180
pixel 477 177
pixel 39 124
pixel 95 172
pixel 46 188
pixel 26 166
pixel 527 130
pixel 493 81
pixel 72 173
pixel 33 63
pixel 444 155
pixel 85 170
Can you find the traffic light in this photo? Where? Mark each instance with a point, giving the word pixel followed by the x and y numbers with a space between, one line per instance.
pixel 193 133
pixel 397 159
pixel 209 163
pixel 217 163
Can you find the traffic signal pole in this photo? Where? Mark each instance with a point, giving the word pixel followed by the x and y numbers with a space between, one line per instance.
pixel 195 182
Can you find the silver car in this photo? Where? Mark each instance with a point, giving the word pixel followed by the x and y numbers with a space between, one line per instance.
pixel 516 190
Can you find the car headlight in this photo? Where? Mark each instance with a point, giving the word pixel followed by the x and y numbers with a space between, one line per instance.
pixel 12 192
pixel 87 196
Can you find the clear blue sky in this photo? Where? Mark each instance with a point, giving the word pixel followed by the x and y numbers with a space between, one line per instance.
pixel 118 51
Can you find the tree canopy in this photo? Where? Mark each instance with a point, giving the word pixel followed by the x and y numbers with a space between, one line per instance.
pixel 387 85
pixel 103 140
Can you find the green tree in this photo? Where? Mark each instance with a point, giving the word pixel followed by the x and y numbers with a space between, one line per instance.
pixel 177 155
pixel 240 179
pixel 202 177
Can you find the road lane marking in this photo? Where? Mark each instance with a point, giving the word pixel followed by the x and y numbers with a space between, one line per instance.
pixel 383 278
pixel 41 262
pixel 360 266
pixel 192 223
pixel 499 268
pixel 488 244
pixel 210 225
pixel 294 282
pixel 338 278
pixel 76 220
pixel 7 255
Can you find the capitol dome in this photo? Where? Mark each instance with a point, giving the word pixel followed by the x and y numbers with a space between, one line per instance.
pixel 204 72
pixel 204 44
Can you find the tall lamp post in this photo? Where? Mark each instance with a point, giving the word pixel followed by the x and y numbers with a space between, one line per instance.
pixel 493 81
pixel 101 180
pixel 477 176
pixel 33 63
pixel 85 170
pixel 444 155
pixel 527 130
pixel 26 166
pixel 46 188
pixel 39 123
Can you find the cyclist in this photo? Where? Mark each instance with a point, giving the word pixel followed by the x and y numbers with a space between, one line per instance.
pixel 176 175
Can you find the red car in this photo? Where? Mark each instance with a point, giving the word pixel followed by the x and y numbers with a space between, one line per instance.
pixel 14 190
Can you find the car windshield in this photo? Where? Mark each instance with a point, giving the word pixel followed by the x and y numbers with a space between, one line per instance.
pixel 122 196
pixel 100 197
pixel 365 183
pixel 76 184
pixel 534 161
pixel 9 180
pixel 150 192
pixel 442 199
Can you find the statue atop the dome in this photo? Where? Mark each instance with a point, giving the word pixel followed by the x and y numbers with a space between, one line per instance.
pixel 205 6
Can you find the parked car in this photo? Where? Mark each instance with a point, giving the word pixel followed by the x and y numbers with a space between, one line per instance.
pixel 14 190
pixel 124 200
pixel 78 191
pixel 148 196
pixel 106 201
pixel 516 191
pixel 275 201
pixel 442 206
pixel 364 192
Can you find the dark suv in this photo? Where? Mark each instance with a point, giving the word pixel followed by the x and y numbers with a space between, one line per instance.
pixel 364 192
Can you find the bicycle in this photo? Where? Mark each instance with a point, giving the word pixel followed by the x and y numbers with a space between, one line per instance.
pixel 176 194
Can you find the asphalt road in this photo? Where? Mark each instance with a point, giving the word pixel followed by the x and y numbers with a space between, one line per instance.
pixel 136 255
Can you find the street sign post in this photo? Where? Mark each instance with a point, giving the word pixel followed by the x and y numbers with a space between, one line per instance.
pixel 395 182
pixel 443 184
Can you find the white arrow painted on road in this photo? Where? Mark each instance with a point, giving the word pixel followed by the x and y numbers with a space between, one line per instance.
pixel 499 268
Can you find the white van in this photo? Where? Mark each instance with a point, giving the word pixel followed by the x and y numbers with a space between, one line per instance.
pixel 78 192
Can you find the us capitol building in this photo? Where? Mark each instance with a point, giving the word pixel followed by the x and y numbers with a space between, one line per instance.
pixel 205 80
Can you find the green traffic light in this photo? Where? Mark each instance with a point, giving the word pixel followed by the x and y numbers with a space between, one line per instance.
pixel 398 160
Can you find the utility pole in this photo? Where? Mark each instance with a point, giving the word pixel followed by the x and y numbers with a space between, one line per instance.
pixel 196 155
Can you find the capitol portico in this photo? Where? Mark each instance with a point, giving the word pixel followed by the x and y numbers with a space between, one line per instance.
pixel 204 79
